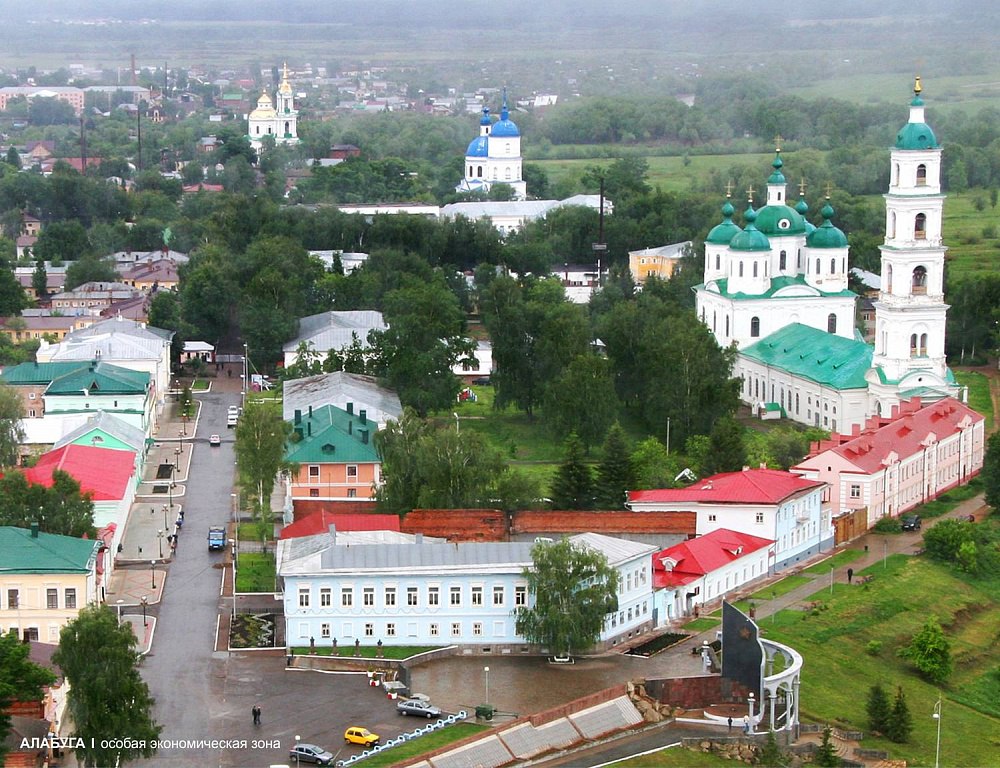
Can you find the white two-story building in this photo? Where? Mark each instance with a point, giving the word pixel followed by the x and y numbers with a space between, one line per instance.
pixel 769 503
pixel 404 589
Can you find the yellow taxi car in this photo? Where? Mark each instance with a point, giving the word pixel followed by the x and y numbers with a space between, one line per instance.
pixel 358 735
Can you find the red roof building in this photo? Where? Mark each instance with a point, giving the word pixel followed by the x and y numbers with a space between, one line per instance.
pixel 766 503
pixel 895 463
pixel 706 569
pixel 320 522
pixel 104 473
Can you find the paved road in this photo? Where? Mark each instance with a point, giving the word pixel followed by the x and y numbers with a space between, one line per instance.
pixel 184 674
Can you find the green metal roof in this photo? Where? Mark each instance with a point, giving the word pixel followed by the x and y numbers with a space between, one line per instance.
pixel 726 230
pixel 777 284
pixel 808 353
pixel 21 552
pixel 39 373
pixel 751 238
pixel 100 378
pixel 916 136
pixel 331 435
pixel 780 221
pixel 826 235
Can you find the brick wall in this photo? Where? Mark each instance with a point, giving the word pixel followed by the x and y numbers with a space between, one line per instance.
pixel 304 507
pixel 609 523
pixel 694 692
pixel 457 524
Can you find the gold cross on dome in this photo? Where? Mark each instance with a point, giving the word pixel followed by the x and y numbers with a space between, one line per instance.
pixel 802 188
pixel 777 143
pixel 750 191
pixel 729 188
pixel 829 189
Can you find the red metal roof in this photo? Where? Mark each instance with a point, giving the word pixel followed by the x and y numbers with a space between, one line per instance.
pixel 611 523
pixel 103 472
pixel 903 434
pixel 320 522
pixel 750 486
pixel 696 557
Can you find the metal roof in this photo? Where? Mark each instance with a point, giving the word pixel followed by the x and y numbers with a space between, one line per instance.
pixel 809 353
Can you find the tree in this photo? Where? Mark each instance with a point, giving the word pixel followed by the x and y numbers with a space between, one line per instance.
pixel 574 589
pixel 930 652
pixel 991 471
pixel 90 269
pixel 615 476
pixel 62 241
pixel 109 702
pixel 261 435
pixel 900 722
pixel 20 680
pixel 582 399
pixel 770 755
pixel 60 509
pixel 12 296
pixel 653 466
pixel 826 755
pixel 727 452
pixel 573 485
pixel 40 279
pixel 878 709
pixel 11 431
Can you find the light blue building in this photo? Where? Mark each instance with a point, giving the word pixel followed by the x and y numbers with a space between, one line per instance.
pixel 405 589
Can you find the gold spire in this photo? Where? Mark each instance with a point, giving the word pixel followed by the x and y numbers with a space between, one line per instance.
pixel 917 87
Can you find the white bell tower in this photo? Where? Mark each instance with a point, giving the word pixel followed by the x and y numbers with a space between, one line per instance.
pixel 910 313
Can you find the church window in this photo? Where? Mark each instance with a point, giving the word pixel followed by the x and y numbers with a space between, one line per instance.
pixel 796 402
pixel 921 175
pixel 831 323
pixel 288 129
pixel 755 328
pixel 496 174
pixel 892 224
pixel 782 257
pixel 798 259
pixel 920 281
pixel 913 345
pixel 888 278
pixel 920 227
pixel 756 388
pixel 833 266
pixel 843 265
pixel 727 326
pixel 755 269
pixel 258 129
pixel 817 268
pixel 713 320
pixel 741 269
pixel 923 344
pixel 479 171
pixel 895 174
pixel 717 261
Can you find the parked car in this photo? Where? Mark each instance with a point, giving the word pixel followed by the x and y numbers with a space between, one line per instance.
pixel 482 381
pixel 418 708
pixel 215 441
pixel 910 522
pixel 358 735
pixel 310 753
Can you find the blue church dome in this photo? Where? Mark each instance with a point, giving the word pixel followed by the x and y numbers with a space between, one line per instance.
pixel 505 126
pixel 478 147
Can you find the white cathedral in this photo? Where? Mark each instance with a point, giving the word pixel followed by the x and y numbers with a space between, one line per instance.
pixel 777 289
pixel 494 156
pixel 277 118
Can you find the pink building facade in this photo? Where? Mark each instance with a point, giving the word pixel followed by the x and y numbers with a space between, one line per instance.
pixel 893 464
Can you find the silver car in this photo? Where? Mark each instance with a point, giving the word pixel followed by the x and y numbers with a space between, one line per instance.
pixel 418 708
pixel 310 753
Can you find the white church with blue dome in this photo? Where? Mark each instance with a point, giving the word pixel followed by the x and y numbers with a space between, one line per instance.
pixel 494 156
pixel 777 289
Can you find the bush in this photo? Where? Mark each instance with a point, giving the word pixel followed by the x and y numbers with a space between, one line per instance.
pixel 930 652
pixel 887 524
pixel 874 647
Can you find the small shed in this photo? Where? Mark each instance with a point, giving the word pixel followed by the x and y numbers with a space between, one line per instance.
pixel 198 350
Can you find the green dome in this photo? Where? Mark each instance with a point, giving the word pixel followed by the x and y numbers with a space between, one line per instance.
pixel 826 235
pixel 916 136
pixel 776 177
pixel 751 238
pixel 725 231
pixel 802 207
pixel 780 220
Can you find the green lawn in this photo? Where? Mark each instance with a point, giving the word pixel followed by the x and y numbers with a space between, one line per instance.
pixel 423 744
pixel 199 385
pixel 255 572
pixel 839 560
pixel 675 757
pixel 891 609
pixel 780 588
pixel 948 501
pixel 979 395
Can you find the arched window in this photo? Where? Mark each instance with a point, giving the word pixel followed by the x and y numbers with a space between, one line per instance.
pixel 717 262
pixel 796 402
pixel 755 269
pixel 506 173
pixel 831 323
pixel 741 269
pixel 913 345
pixel 288 131
pixel 919 281
pixel 782 259
pixel 923 344
pixel 727 326
pixel 479 171
pixel 895 174
pixel 888 278
pixel 754 327
pixel 469 173
pixel 833 266
pixel 713 320
pixel 798 260
pixel 756 388
pixel 921 175
pixel 892 224
pixel 817 268
pixel 920 227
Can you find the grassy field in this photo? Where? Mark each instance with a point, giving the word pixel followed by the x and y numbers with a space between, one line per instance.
pixel 839 560
pixel 424 744
pixel 979 395
pixel 255 572
pixel 676 757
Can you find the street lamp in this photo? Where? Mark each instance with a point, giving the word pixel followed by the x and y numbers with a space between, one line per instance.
pixel 144 600
pixel 119 606
pixel 164 516
pixel 750 698
pixel 937 749
pixel 152 574
pixel 831 579
pixel 159 540
pixel 170 490
pixel 177 457
pixel 297 740
pixel 487 671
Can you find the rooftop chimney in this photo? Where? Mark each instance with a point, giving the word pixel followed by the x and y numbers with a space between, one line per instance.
pixel 34 530
pixel 298 416
pixel 363 416
pixel 350 408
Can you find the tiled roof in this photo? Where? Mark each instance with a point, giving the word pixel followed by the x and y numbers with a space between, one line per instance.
pixel 22 552
pixel 103 472
pixel 812 354
pixel 696 557
pixel 330 435
pixel 613 523
pixel 749 486
pixel 904 434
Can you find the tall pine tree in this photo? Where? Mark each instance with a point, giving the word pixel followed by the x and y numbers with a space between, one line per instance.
pixel 727 451
pixel 900 720
pixel 615 475
pixel 573 486
pixel 878 709
pixel 826 755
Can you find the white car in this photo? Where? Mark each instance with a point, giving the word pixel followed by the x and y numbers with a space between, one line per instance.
pixel 215 441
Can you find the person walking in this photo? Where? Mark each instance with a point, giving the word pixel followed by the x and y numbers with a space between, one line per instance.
pixel 850 575
pixel 255 711
pixel 730 721
pixel 746 724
